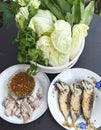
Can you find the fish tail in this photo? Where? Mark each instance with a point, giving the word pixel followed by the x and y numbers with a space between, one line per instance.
pixel 91 127
pixel 66 123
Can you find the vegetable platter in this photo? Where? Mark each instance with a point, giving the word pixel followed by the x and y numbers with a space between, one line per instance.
pixel 51 33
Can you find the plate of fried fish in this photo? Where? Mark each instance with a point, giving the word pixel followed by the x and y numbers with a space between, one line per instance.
pixel 74 99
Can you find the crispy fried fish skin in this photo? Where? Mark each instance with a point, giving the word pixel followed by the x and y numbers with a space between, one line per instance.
pixel 75 104
pixel 87 101
pixel 64 100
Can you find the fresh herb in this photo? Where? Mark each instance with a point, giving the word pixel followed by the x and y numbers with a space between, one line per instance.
pixel 27 51
pixel 32 70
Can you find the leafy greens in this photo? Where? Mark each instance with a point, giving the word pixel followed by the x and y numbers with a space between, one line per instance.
pixel 51 31
pixel 26 41
pixel 73 11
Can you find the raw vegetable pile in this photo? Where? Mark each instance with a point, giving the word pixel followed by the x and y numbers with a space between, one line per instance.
pixel 51 32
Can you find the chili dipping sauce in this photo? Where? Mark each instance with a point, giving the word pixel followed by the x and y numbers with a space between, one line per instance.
pixel 21 84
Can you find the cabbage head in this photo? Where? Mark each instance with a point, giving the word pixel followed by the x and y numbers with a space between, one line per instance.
pixel 79 33
pixel 61 36
pixel 55 58
pixel 42 22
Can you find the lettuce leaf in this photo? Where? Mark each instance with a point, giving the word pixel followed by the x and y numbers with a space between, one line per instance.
pixel 54 57
pixel 22 18
pixel 61 36
pixel 22 2
pixel 42 22
pixel 79 33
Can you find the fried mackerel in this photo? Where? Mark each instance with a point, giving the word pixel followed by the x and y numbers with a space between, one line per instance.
pixel 64 100
pixel 87 102
pixel 75 104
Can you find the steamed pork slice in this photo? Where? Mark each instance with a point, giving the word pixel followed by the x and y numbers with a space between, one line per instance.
pixel 26 111
pixel 75 104
pixel 88 99
pixel 9 105
pixel 64 100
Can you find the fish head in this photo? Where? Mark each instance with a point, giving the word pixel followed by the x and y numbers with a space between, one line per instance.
pixel 76 89
pixel 87 86
pixel 63 87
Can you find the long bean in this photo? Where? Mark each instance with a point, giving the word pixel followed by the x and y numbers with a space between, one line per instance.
pixel 54 9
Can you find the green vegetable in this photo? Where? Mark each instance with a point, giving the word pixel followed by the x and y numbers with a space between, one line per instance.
pixel 77 12
pixel 42 22
pixel 70 2
pixel 37 56
pixel 74 12
pixel 79 33
pixel 54 57
pixel 32 11
pixel 48 41
pixel 27 51
pixel 32 70
pixel 88 13
pixel 34 3
pixel 64 6
pixel 26 13
pixel 69 18
pixel 61 36
pixel 22 18
pixel 22 2
pixel 33 7
pixel 53 8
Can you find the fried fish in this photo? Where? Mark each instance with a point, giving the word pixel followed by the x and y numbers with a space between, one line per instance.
pixel 64 100
pixel 87 102
pixel 75 104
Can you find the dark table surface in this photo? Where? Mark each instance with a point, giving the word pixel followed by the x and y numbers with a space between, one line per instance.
pixel 90 59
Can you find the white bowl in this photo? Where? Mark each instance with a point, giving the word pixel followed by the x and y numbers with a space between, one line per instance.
pixel 58 69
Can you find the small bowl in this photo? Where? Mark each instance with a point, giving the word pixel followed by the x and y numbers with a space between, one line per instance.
pixel 58 69
pixel 21 85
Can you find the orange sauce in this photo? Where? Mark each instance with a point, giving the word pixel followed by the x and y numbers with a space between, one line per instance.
pixel 21 84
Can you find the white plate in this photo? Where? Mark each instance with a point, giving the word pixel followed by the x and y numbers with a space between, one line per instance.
pixel 72 76
pixel 41 80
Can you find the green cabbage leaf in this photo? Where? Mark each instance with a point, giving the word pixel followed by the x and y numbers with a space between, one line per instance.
pixel 54 57
pixel 42 22
pixel 22 2
pixel 22 18
pixel 79 33
pixel 61 36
